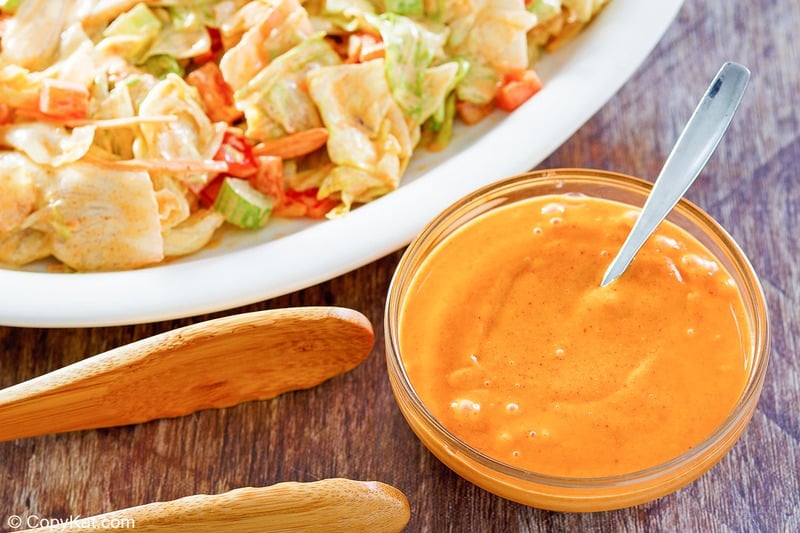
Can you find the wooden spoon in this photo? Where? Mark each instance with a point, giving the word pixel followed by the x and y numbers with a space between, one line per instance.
pixel 329 505
pixel 217 363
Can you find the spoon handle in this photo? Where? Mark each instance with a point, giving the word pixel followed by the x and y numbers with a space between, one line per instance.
pixel 212 364
pixel 331 505
pixel 690 154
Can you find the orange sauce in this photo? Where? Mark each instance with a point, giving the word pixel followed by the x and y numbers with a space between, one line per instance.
pixel 511 343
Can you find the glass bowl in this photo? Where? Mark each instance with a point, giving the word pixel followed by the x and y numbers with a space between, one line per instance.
pixel 575 494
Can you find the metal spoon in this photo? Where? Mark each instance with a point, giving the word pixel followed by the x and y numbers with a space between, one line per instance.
pixel 690 154
pixel 211 364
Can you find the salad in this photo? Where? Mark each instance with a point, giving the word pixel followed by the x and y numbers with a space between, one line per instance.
pixel 131 131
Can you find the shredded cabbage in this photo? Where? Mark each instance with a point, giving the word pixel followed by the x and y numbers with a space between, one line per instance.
pixel 109 157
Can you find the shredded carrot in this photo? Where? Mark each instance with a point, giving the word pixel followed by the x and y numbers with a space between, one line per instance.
pixel 295 145
pixel 102 123
pixel 120 122
pixel 161 165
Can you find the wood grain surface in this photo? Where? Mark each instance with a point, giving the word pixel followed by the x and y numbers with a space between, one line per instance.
pixel 350 426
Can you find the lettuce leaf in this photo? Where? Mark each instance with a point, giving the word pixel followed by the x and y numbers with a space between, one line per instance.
pixel 492 36
pixel 369 139
pixel 48 144
pixel 277 29
pixel 185 34
pixel 18 86
pixel 131 34
pixel 193 233
pixel 410 50
pixel 545 10
pixel 18 196
pixel 274 102
pixel 111 217
pixel 32 36
pixel 191 137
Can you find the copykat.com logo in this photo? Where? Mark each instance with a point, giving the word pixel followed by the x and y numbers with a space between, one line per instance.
pixel 17 522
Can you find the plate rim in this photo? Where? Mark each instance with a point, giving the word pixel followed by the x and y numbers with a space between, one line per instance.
pixel 189 287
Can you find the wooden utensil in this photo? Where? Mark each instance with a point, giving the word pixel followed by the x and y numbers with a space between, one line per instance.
pixel 329 505
pixel 216 363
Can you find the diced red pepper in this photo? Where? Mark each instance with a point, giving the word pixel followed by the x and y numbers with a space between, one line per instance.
pixel 269 178
pixel 516 88
pixel 215 93
pixel 265 174
pixel 209 193
pixel 6 114
pixel 305 203
pixel 216 45
pixel 63 99
pixel 237 153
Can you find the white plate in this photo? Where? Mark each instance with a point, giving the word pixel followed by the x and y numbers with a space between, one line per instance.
pixel 247 267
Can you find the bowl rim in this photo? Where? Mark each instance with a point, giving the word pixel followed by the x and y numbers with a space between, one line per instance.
pixel 754 298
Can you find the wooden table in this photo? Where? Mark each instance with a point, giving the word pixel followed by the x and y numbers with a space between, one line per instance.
pixel 351 427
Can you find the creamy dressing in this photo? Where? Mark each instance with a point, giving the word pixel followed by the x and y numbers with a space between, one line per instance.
pixel 511 343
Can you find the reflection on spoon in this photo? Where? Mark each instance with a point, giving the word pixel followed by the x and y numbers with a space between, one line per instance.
pixel 690 154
